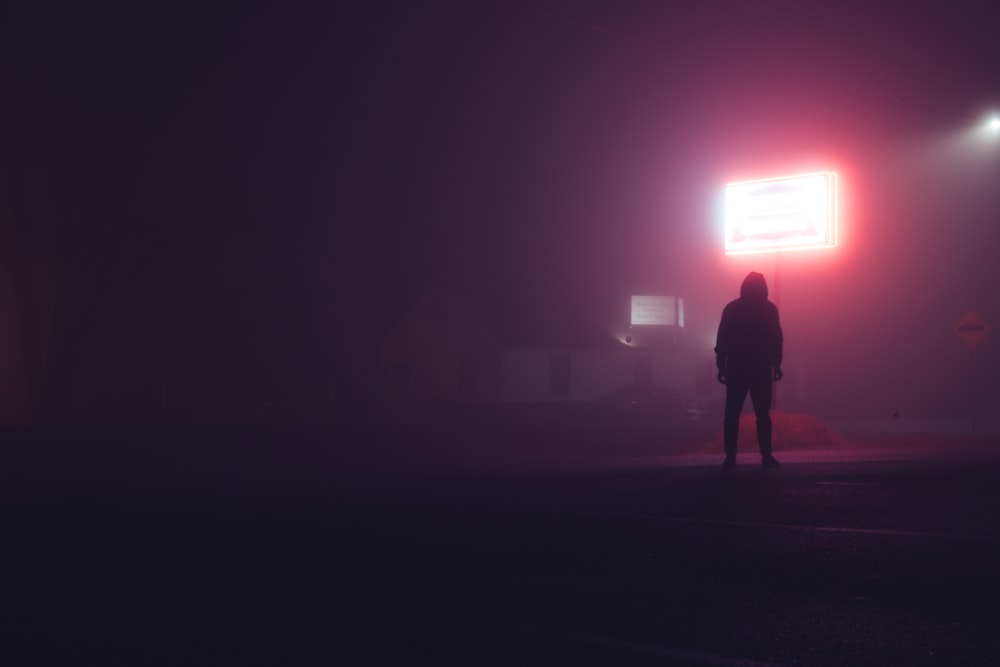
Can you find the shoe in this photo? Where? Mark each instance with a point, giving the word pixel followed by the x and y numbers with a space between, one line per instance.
pixel 729 464
pixel 769 462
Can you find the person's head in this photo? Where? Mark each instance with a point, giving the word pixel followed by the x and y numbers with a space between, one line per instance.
pixel 754 287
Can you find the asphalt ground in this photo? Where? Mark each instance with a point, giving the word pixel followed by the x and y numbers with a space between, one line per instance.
pixel 865 556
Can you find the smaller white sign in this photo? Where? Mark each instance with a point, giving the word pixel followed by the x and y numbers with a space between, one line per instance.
pixel 654 310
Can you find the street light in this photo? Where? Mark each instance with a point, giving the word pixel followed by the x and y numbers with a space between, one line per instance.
pixel 994 123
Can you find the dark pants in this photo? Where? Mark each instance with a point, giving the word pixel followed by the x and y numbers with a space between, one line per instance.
pixel 758 385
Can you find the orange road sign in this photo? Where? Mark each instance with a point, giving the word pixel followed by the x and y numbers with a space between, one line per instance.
pixel 972 328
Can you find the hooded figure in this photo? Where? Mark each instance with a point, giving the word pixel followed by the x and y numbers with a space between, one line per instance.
pixel 748 356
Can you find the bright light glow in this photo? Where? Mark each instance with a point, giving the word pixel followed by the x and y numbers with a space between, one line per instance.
pixel 657 310
pixel 785 213
pixel 994 123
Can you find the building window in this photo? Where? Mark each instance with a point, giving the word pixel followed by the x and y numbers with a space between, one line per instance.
pixel 559 376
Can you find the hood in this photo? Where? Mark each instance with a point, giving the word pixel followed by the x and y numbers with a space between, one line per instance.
pixel 754 287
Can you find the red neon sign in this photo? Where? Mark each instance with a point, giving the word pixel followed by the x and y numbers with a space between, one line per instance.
pixel 786 213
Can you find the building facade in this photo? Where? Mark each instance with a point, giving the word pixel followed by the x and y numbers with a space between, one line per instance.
pixel 440 349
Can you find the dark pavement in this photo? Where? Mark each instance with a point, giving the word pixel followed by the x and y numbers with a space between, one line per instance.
pixel 831 560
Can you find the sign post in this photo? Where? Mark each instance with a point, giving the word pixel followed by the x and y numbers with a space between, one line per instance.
pixel 972 329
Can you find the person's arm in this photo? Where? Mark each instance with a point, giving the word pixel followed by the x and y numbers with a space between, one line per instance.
pixel 722 346
pixel 777 348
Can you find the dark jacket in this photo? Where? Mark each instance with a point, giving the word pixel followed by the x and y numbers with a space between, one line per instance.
pixel 749 338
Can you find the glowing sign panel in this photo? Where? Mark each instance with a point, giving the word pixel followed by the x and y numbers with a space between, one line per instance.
pixel 788 213
pixel 657 310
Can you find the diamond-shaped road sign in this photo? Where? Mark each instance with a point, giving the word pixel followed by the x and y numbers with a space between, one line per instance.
pixel 972 328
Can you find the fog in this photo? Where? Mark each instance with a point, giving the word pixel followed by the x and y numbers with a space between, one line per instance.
pixel 247 203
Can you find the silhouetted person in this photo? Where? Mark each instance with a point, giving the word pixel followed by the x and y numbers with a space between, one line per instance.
pixel 748 355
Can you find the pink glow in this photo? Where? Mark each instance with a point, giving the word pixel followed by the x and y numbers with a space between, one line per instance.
pixel 780 214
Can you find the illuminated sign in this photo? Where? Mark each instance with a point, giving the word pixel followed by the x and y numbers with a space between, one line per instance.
pixel 657 310
pixel 788 213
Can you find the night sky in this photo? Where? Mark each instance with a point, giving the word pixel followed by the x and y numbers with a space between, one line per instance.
pixel 265 187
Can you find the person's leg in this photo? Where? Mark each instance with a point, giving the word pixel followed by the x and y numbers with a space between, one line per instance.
pixel 761 395
pixel 736 394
